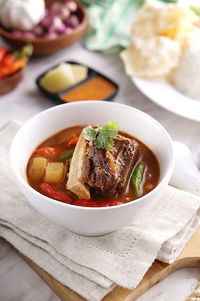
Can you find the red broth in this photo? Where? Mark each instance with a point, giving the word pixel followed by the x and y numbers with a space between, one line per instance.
pixel 60 143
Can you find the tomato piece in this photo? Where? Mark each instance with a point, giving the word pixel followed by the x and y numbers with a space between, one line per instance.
pixel 49 152
pixel 49 191
pixel 73 141
pixel 3 51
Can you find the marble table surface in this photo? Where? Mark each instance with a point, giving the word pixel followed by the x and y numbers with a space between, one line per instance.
pixel 17 281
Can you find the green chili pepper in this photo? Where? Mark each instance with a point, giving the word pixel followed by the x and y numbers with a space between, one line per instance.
pixel 24 53
pixel 66 156
pixel 137 177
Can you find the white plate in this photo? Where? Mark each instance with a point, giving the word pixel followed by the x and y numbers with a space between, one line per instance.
pixel 165 95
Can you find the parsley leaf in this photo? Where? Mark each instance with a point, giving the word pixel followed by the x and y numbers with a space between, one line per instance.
pixel 104 142
pixel 110 129
pixel 102 135
pixel 90 133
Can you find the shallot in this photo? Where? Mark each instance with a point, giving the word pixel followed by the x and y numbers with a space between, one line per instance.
pixel 60 18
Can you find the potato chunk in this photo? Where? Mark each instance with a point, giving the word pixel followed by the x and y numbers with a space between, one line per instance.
pixel 55 172
pixel 37 168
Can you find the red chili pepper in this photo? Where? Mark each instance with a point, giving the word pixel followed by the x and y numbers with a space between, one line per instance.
pixel 46 151
pixel 8 59
pixel 73 141
pixel 109 203
pixel 115 203
pixel 85 203
pixel 90 203
pixel 8 69
pixel 2 53
pixel 49 191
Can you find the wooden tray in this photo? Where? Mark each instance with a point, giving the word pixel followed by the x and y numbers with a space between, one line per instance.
pixel 190 257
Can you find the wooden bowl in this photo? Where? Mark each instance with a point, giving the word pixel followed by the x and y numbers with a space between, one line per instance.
pixel 46 46
pixel 10 82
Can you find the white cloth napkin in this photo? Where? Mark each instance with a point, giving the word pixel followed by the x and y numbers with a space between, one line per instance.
pixel 92 266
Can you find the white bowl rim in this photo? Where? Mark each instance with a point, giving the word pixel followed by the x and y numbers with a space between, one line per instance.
pixel 82 103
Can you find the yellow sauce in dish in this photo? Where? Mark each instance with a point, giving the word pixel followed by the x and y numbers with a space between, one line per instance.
pixel 96 88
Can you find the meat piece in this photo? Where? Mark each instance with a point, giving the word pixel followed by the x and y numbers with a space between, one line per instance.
pixel 107 171
pixel 75 182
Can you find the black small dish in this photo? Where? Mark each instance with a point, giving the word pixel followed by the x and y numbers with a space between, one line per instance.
pixel 91 74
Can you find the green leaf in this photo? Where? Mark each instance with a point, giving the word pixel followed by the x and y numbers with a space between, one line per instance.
pixel 110 129
pixel 106 133
pixel 109 143
pixel 101 140
pixel 104 140
pixel 112 125
pixel 90 133
pixel 102 135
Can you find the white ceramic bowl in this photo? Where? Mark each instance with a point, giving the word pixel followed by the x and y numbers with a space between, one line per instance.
pixel 82 220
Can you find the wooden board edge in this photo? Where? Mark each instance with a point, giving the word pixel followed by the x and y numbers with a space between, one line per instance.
pixel 190 257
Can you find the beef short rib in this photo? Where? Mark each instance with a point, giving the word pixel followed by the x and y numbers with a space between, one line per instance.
pixel 107 172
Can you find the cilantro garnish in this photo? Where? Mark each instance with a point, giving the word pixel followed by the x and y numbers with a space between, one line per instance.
pixel 102 135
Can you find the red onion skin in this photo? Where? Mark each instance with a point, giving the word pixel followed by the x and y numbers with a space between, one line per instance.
pixel 47 22
pixel 72 21
pixel 38 31
pixel 59 19
pixel 72 6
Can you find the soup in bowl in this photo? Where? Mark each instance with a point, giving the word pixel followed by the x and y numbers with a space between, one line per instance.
pixel 94 166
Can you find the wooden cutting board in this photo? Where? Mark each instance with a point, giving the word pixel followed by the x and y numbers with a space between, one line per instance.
pixel 190 257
